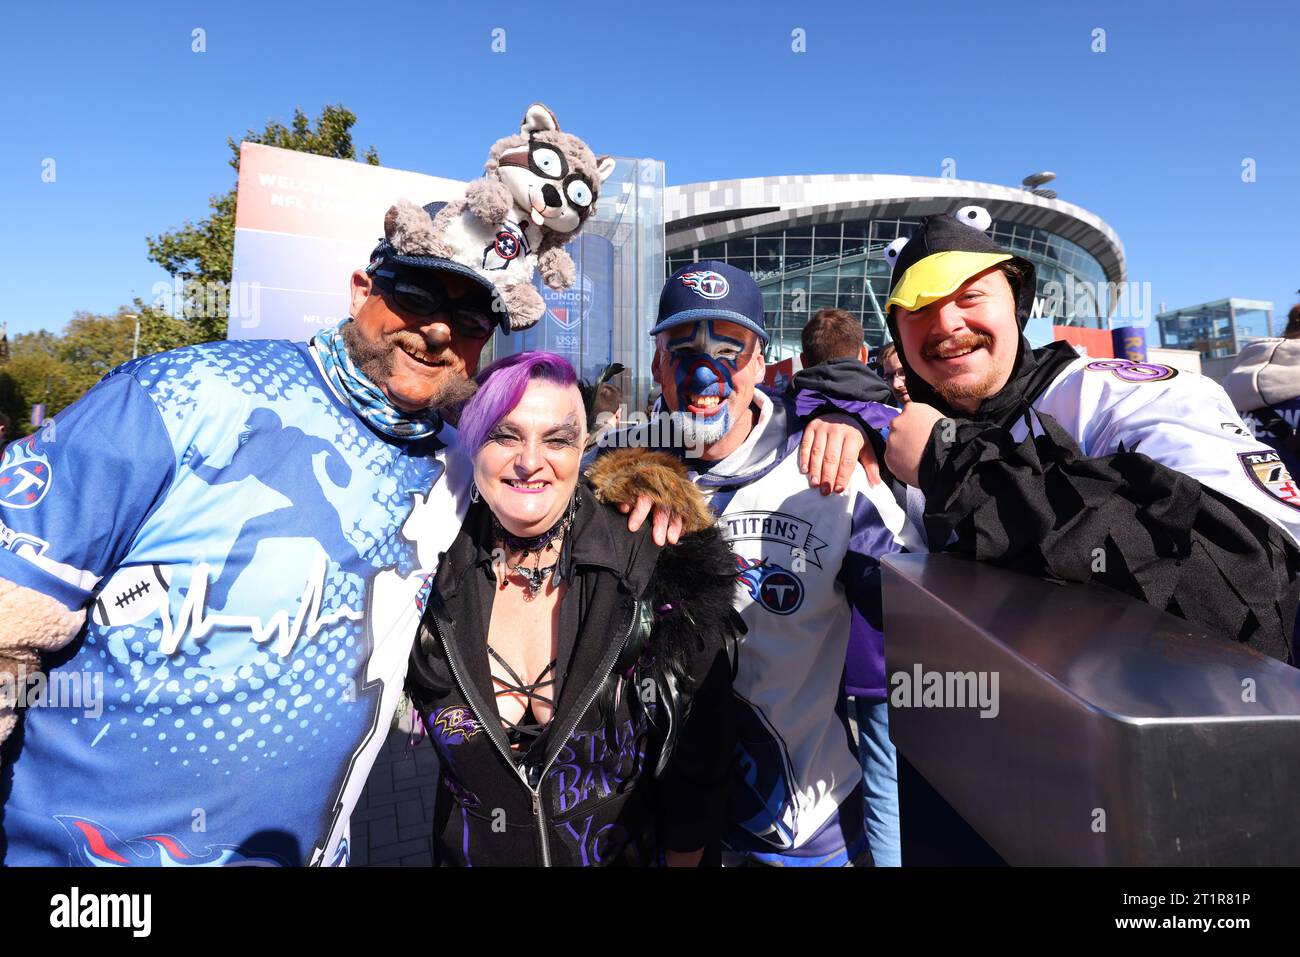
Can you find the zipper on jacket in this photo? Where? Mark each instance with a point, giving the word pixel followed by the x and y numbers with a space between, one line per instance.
pixel 539 814
pixel 535 790
pixel 538 809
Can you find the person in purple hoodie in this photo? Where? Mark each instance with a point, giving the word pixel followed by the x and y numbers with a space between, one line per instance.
pixel 833 344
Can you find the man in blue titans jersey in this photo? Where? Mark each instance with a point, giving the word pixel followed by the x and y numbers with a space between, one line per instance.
pixel 224 549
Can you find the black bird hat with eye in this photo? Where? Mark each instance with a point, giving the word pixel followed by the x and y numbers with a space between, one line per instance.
pixel 945 252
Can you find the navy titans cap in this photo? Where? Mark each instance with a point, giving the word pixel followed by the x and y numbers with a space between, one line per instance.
pixel 711 290
pixel 385 256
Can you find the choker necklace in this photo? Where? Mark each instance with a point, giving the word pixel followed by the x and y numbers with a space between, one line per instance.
pixel 537 542
pixel 535 577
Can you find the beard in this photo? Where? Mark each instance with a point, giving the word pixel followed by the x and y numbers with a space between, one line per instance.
pixel 952 392
pixel 697 433
pixel 451 395
pixel 374 360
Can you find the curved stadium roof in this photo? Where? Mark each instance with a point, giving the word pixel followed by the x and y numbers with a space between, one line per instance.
pixel 700 213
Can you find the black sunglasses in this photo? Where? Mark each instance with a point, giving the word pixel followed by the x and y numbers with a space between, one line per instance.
pixel 472 315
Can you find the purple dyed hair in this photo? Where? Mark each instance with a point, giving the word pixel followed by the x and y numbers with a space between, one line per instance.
pixel 500 387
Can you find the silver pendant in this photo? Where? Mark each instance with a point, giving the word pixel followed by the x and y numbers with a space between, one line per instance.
pixel 534 579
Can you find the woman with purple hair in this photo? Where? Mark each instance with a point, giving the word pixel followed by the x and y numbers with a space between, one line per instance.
pixel 574 676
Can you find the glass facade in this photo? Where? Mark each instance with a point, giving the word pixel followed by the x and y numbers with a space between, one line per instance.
pixel 1216 329
pixel 806 268
pixel 1251 324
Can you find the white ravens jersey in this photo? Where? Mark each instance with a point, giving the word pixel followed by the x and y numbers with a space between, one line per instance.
pixel 1179 419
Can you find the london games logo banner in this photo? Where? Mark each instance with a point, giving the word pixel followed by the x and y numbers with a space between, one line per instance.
pixel 579 321
pixel 566 308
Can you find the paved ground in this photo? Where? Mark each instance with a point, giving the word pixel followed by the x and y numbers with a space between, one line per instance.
pixel 393 821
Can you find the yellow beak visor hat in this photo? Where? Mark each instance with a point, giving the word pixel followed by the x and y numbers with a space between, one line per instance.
pixel 945 252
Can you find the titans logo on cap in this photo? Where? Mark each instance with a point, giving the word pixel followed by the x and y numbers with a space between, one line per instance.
pixel 706 283
pixel 711 289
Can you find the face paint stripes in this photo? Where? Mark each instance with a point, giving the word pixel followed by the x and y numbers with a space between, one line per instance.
pixel 699 372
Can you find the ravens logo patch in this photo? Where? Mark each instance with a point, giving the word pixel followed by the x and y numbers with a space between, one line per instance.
pixel 1267 470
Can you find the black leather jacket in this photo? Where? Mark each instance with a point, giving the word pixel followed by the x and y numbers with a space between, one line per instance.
pixel 599 786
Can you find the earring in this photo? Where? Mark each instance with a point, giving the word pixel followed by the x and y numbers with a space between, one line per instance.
pixel 473 492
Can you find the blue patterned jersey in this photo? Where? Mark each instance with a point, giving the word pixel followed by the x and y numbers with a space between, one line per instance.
pixel 253 558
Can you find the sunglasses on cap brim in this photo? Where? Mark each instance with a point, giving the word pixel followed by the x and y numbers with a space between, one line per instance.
pixel 472 315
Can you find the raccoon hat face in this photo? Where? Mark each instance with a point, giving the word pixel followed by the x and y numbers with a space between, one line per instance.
pixel 552 175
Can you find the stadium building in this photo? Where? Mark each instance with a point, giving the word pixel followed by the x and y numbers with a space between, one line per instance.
pixel 818 241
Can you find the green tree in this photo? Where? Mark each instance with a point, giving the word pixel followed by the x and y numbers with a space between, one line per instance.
pixel 35 373
pixel 57 370
pixel 199 254
pixel 93 345
pixel 160 330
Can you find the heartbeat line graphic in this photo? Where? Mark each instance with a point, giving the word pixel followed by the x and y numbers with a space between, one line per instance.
pixel 192 622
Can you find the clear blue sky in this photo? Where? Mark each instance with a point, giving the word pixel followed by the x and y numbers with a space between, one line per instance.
pixel 1150 134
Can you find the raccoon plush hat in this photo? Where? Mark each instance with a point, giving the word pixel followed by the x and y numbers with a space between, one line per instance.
pixel 541 185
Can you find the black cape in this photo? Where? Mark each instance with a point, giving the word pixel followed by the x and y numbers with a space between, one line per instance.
pixel 1042 507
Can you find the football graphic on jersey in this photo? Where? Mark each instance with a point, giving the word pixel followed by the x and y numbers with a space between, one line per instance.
pixel 132 593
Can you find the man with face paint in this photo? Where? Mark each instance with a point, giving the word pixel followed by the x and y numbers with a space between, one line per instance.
pixel 1132 475
pixel 807 563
